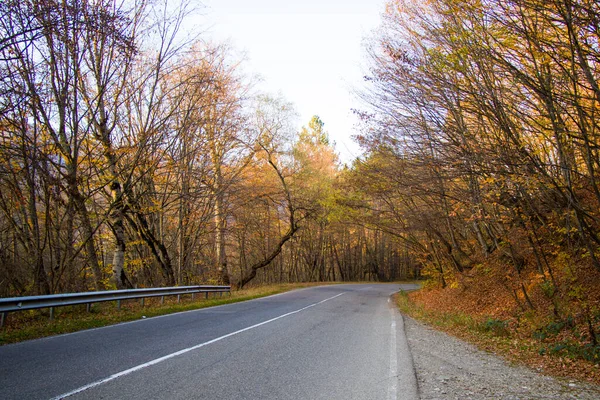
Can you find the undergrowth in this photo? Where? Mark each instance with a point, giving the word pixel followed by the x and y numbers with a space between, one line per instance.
pixel 452 321
pixel 558 346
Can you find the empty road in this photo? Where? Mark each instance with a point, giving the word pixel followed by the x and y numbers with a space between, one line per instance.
pixel 328 342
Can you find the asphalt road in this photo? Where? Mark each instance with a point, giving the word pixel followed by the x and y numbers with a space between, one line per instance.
pixel 328 342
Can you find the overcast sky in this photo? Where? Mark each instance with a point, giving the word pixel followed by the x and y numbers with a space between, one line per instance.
pixel 310 51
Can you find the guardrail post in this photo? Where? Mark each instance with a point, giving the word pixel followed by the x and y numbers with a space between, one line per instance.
pixel 51 313
pixel 162 300
pixel 206 295
pixel 2 319
pixel 119 305
pixel 143 301
pixel 193 295
pixel 178 298
pixel 88 307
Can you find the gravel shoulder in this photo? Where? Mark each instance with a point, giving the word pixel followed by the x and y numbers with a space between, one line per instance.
pixel 449 368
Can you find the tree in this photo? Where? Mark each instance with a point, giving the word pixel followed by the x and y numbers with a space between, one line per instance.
pixel 272 127
pixel 45 48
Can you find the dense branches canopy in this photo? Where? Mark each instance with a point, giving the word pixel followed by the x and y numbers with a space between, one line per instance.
pixel 481 141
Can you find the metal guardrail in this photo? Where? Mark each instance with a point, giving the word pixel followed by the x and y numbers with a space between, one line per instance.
pixel 13 304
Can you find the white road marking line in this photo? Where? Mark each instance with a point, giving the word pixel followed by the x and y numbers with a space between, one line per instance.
pixel 393 387
pixel 180 352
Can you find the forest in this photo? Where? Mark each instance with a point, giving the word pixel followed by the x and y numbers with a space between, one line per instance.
pixel 133 154
pixel 482 156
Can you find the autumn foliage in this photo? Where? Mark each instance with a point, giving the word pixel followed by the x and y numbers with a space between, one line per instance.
pixel 134 154
pixel 483 154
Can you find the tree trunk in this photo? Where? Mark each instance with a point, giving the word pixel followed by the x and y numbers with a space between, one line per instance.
pixel 220 221
pixel 117 222
pixel 251 274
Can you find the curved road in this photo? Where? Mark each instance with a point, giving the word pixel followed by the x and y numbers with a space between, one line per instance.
pixel 328 342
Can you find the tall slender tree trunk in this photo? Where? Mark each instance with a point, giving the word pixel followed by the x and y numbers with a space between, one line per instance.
pixel 220 222
pixel 42 286
pixel 90 248
pixel 117 221
pixel 41 278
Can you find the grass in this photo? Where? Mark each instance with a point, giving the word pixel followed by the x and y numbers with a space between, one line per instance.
pixel 490 334
pixel 36 324
pixel 443 321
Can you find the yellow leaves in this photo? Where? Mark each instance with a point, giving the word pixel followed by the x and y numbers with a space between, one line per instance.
pixel 489 180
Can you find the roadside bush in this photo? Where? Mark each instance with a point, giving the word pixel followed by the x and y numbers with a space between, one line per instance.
pixel 494 326
pixel 553 328
pixel 588 352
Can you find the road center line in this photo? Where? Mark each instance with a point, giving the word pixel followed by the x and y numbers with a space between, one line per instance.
pixel 180 352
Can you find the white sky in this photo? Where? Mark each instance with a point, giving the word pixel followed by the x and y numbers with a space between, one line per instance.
pixel 309 51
